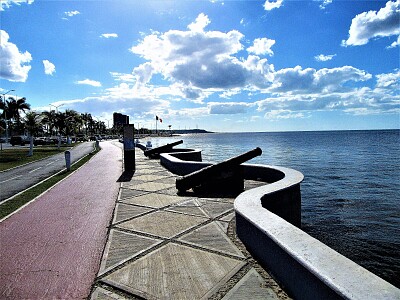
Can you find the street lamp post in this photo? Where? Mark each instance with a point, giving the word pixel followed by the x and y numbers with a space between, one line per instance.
pixel 56 106
pixel 5 115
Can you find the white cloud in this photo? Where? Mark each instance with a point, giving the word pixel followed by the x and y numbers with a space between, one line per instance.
pixel 389 80
pixel 373 24
pixel 323 57
pixel 14 65
pixel 199 59
pixel 278 114
pixel 384 98
pixel 395 43
pixel 7 3
pixel 262 46
pixel 109 35
pixel 89 82
pixel 324 4
pixel 200 23
pixel 49 68
pixel 71 13
pixel 269 5
pixel 216 108
pixel 297 80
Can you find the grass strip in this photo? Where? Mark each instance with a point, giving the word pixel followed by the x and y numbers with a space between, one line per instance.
pixel 28 195
pixel 14 157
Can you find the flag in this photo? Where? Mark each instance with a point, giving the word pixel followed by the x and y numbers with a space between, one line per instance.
pixel 156 118
pixel 160 120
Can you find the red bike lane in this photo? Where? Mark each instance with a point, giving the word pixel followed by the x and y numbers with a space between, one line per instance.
pixel 52 248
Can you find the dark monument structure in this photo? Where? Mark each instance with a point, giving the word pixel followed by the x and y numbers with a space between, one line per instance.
pixel 120 120
pixel 129 148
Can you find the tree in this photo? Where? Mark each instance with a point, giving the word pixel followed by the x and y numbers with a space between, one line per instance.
pixel 49 119
pixel 12 109
pixel 32 122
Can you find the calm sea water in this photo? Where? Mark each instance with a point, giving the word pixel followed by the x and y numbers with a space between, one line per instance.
pixel 351 190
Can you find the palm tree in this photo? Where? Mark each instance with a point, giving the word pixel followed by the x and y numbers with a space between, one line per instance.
pixel 49 119
pixel 13 108
pixel 32 122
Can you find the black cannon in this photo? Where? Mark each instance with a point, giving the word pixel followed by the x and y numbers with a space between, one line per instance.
pixel 226 174
pixel 155 152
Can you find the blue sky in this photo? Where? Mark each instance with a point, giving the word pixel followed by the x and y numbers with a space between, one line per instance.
pixel 217 65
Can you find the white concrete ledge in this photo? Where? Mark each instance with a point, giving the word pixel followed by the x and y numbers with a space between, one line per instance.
pixel 268 220
pixel 307 268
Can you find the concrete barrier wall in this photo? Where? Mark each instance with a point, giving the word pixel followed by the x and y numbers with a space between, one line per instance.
pixel 267 222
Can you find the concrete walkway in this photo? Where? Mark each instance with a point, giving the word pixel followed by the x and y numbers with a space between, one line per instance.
pixel 168 246
pixel 51 249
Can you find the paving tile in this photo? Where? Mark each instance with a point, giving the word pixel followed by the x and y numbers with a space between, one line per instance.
pixel 228 217
pixel 154 200
pixel 122 246
pixel 153 186
pixel 103 294
pixel 213 208
pixel 174 272
pixel 149 177
pixel 190 207
pixel 128 193
pixel 223 225
pixel 162 223
pixel 251 286
pixel 211 236
pixel 125 211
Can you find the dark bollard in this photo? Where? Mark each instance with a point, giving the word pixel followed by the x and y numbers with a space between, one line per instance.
pixel 129 148
pixel 67 155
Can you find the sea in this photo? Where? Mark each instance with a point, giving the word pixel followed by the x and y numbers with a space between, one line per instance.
pixel 351 188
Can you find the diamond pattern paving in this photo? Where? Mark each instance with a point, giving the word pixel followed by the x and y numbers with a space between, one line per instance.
pixel 153 186
pixel 211 236
pixel 124 211
pixel 154 200
pixel 174 272
pixel 252 286
pixel 190 207
pixel 162 223
pixel 123 246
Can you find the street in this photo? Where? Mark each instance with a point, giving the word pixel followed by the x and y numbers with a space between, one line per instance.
pixel 18 179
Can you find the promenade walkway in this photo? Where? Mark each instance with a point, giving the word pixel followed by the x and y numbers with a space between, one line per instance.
pixel 51 249
pixel 167 246
pixel 160 245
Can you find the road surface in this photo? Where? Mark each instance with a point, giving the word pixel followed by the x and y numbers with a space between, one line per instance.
pixel 18 179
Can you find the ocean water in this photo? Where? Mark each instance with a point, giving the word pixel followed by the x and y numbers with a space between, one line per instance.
pixel 351 188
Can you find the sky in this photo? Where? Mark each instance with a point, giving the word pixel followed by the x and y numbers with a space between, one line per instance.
pixel 224 66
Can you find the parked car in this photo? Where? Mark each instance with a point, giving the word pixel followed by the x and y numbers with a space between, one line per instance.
pixel 19 140
pixel 81 138
pixel 42 141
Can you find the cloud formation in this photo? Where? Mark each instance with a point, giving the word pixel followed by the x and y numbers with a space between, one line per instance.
pixel 109 35
pixel 199 59
pixel 322 57
pixel 49 68
pixel 71 13
pixel 269 5
pixel 7 3
pixel 262 46
pixel 89 82
pixel 374 24
pixel 14 65
pixel 216 108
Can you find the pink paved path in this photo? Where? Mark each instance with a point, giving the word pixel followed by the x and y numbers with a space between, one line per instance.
pixel 52 248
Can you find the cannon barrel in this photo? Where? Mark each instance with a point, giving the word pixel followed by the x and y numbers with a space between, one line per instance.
pixel 198 177
pixel 161 149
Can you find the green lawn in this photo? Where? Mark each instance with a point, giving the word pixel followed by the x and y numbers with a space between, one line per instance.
pixel 13 157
